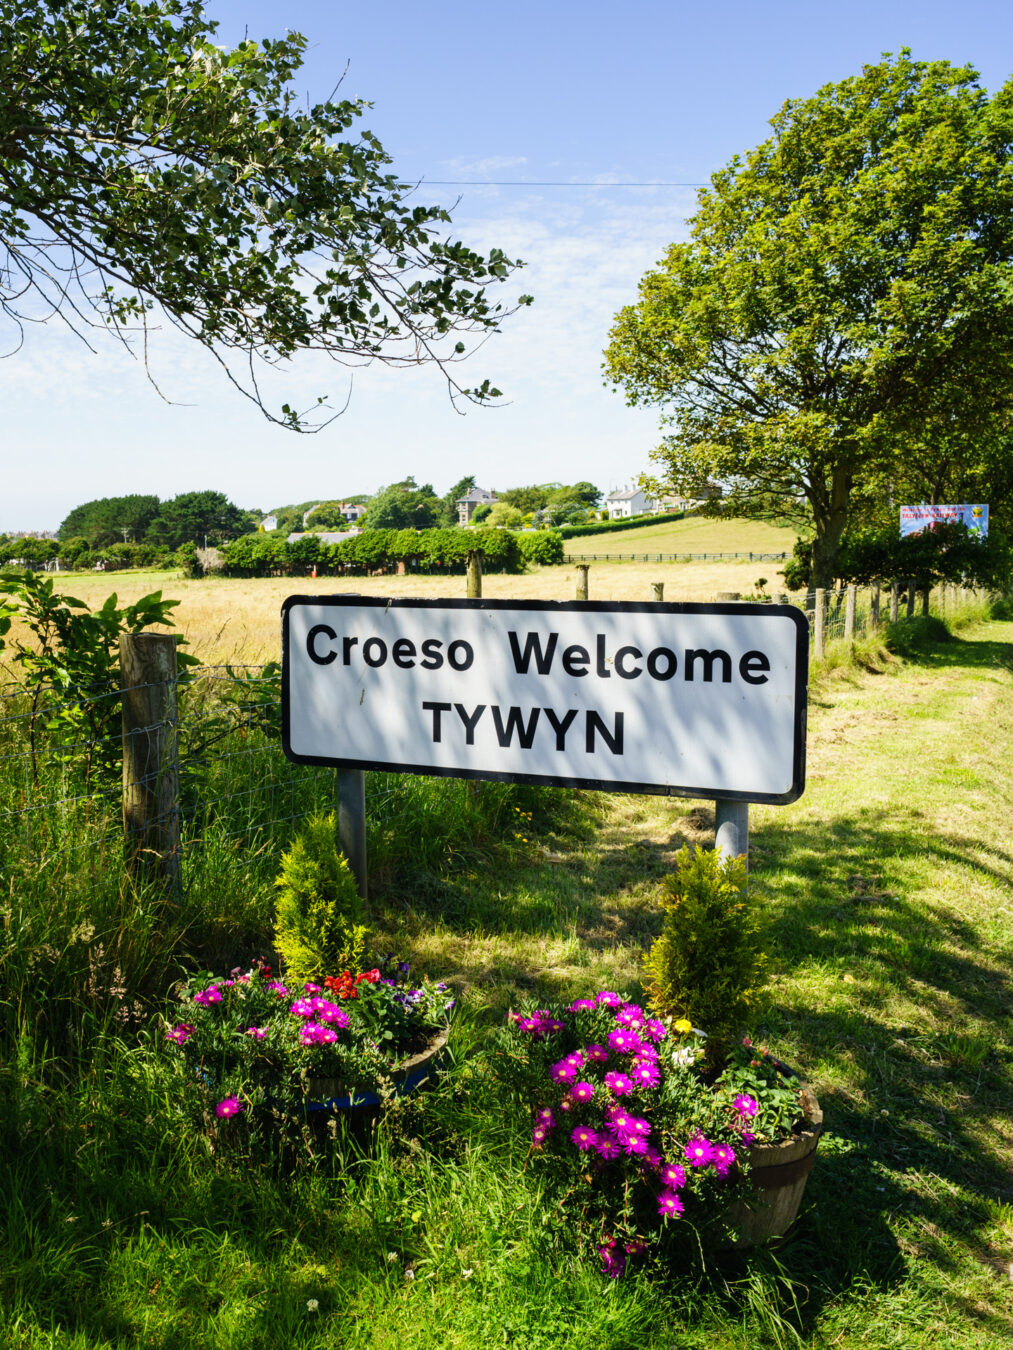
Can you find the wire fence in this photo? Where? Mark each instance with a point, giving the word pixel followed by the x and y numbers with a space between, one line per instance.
pixel 236 797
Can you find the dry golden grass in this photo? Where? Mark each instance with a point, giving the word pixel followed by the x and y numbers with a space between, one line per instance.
pixel 693 534
pixel 237 620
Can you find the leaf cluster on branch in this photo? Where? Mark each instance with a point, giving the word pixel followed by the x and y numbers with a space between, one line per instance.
pixel 146 172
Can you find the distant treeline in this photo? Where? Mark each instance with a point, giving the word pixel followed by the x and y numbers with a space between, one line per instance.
pixel 432 551
pixel 190 518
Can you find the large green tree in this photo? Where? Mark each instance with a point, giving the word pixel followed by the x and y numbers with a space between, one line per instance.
pixel 404 506
pixel 111 520
pixel 193 517
pixel 843 304
pixel 148 173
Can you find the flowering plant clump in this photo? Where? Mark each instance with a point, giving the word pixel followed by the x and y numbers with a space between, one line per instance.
pixel 250 1045
pixel 642 1135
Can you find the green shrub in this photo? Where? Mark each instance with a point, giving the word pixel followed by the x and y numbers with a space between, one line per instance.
pixel 318 928
pixel 544 547
pixel 706 966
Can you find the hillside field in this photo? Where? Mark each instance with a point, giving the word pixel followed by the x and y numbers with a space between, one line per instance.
pixel 693 534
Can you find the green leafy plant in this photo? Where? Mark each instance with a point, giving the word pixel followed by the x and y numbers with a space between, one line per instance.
pixel 707 966
pixel 319 912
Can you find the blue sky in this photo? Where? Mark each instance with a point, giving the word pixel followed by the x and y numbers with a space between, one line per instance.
pixel 552 91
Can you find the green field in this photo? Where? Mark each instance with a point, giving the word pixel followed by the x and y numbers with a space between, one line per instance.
pixel 693 534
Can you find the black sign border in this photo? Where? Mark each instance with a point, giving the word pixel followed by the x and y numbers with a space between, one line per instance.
pixel 347 599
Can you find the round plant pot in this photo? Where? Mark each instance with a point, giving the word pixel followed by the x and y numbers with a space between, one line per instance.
pixel 330 1094
pixel 777 1174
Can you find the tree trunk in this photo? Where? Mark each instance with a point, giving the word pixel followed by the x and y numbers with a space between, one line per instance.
pixel 830 523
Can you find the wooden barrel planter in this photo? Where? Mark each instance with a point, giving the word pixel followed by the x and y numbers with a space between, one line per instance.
pixel 778 1174
pixel 363 1108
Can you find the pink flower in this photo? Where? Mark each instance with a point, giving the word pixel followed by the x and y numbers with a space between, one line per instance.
pixel 723 1155
pixel 280 989
pixel 652 1158
pixel 231 1106
pixel 545 1118
pixel 312 988
pixel 634 1145
pixel 582 1092
pixel 576 1059
pixel 584 1138
pixel 258 1033
pixel 646 1075
pixel 673 1175
pixel 582 1005
pixel 597 1054
pixel 607 1149
pixel 669 1204
pixel 607 999
pixel 640 1126
pixel 745 1105
pixel 562 1072
pixel 208 996
pixel 618 1084
pixel 180 1034
pixel 624 1041
pixel 302 1007
pixel 538 1136
pixel 698 1152
pixel 657 1031
pixel 630 1015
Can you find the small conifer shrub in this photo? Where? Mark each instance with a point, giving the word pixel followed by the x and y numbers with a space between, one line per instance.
pixel 319 912
pixel 707 966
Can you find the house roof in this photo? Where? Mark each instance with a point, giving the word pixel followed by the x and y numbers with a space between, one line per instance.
pixel 325 536
pixel 477 494
pixel 626 495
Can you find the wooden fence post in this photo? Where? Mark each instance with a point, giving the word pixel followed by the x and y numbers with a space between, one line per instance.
pixel 352 823
pixel 925 600
pixel 910 598
pixel 474 574
pixel 874 608
pixel 850 606
pixel 894 601
pixel 659 590
pixel 150 756
pixel 582 569
pixel 820 623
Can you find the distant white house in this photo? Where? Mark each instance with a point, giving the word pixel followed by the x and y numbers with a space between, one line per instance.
pixel 352 510
pixel 677 501
pixel 466 505
pixel 627 502
pixel 269 523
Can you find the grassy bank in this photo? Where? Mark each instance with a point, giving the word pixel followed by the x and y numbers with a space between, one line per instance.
pixel 887 892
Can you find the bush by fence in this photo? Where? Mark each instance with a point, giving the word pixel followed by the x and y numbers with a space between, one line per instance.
pixel 614 526
pixel 424 551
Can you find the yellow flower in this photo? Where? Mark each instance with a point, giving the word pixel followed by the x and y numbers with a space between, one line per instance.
pixel 683 1025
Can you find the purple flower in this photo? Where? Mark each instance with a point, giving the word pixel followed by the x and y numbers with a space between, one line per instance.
pixel 607 999
pixel 618 1084
pixel 624 1041
pixel 698 1152
pixel 639 1125
pixel 258 1033
pixel 545 1117
pixel 315 1033
pixel 630 1015
pixel 648 1052
pixel 303 1007
pixel 657 1031
pixel 312 988
pixel 620 1121
pixel 538 1136
pixel 669 1204
pixel 540 1024
pixel 180 1034
pixel 563 1072
pixel 277 988
pixel 633 1145
pixel 646 1074
pixel 652 1157
pixel 636 1248
pixel 597 1054
pixel 607 1148
pixel 673 1175
pixel 745 1105
pixel 722 1156
pixel 584 1138
pixel 582 1005
pixel 582 1092
pixel 747 1137
pixel 206 997
pixel 331 1013
pixel 613 1262
pixel 231 1106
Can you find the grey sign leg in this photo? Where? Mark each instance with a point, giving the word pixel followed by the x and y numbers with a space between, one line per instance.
pixel 352 822
pixel 731 829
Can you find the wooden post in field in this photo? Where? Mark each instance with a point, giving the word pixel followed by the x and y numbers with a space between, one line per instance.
pixel 582 569
pixel 820 624
pixel 731 829
pixel 925 600
pixel 352 823
pixel 910 598
pixel 658 587
pixel 850 606
pixel 874 608
pixel 150 756
pixel 894 601
pixel 474 574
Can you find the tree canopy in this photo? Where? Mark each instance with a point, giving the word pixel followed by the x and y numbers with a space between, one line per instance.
pixel 146 172
pixel 840 321
pixel 141 519
pixel 404 506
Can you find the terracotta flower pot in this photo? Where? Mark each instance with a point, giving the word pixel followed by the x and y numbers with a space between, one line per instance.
pixel 777 1174
pixel 330 1094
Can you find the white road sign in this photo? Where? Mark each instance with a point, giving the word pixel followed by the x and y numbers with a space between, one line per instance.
pixel 694 700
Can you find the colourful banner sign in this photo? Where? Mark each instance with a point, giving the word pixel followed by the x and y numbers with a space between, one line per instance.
pixel 916 518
